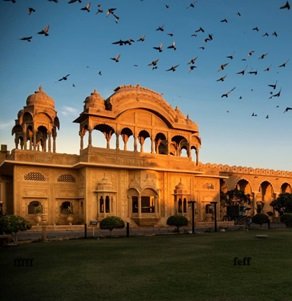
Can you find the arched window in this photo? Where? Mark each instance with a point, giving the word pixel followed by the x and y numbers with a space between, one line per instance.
pixel 101 205
pixel 34 176
pixel 107 204
pixel 66 208
pixel 179 206
pixel 185 205
pixel 35 207
pixel 66 178
pixel 134 204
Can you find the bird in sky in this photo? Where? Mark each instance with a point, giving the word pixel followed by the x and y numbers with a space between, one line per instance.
pixel 261 57
pixel 99 9
pixel 74 1
pixel 31 10
pixel 45 31
pixel 274 86
pixel 242 72
pixel 64 77
pixel 287 109
pixel 153 64
pixel 200 29
pixel 87 7
pixel 192 61
pixel 256 29
pixel 124 42
pixel 227 93
pixel 111 12
pixel 28 39
pixel 172 68
pixel 276 94
pixel 254 115
pixel 141 39
pixel 253 72
pixel 224 20
pixel 223 66
pixel 283 65
pixel 116 58
pixel 221 79
pixel 160 28
pixel 192 67
pixel 12 1
pixel 172 46
pixel 159 48
pixel 285 6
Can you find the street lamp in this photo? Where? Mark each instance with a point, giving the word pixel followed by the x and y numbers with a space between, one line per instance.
pixel 193 215
pixel 215 213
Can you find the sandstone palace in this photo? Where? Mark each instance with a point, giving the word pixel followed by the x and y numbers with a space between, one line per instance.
pixel 147 169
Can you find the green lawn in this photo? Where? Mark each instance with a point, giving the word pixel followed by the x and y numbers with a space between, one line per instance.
pixel 173 267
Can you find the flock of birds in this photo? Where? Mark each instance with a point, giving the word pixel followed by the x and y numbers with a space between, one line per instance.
pixel 192 64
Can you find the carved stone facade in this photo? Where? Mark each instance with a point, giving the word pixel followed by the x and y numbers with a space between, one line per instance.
pixel 147 169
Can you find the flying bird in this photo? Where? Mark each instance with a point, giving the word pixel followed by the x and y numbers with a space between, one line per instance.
pixel 172 46
pixel 261 57
pixel 99 9
pixel 192 67
pixel 31 10
pixel 28 39
pixel 227 93
pixel 200 29
pixel 45 31
pixel 159 48
pixel 285 6
pixel 141 39
pixel 64 77
pixel 111 11
pixel 192 61
pixel 116 58
pixel 222 67
pixel 221 79
pixel 274 86
pixel 160 28
pixel 153 64
pixel 87 7
pixel 288 109
pixel 283 65
pixel 275 95
pixel 73 1
pixel 224 20
pixel 172 68
pixel 13 1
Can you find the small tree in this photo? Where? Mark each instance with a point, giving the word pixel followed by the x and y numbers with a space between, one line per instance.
pixel 260 219
pixel 177 221
pixel 283 203
pixel 112 222
pixel 12 224
pixel 287 219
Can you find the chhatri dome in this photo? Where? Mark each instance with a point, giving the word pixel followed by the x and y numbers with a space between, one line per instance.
pixel 40 98
pixel 94 101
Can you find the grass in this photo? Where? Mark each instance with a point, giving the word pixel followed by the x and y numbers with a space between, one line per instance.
pixel 173 267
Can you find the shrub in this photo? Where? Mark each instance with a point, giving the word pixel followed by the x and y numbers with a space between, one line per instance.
pixel 11 224
pixel 177 221
pixel 112 222
pixel 260 219
pixel 287 219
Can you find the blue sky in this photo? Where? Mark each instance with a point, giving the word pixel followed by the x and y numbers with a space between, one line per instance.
pixel 80 44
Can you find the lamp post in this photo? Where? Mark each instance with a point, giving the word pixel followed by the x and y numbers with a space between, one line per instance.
pixel 215 213
pixel 193 215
